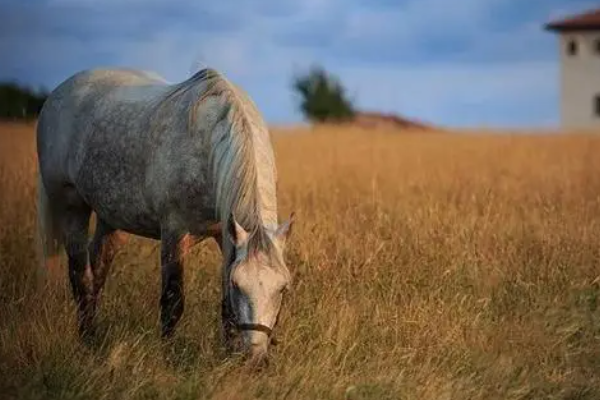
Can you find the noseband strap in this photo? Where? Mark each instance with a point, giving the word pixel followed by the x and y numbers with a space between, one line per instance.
pixel 255 327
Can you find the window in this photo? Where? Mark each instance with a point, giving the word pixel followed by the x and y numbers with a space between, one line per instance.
pixel 597 105
pixel 572 47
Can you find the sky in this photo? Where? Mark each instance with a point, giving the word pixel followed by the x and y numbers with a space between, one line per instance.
pixel 459 63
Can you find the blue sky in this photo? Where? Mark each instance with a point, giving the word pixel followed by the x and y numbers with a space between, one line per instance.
pixel 459 63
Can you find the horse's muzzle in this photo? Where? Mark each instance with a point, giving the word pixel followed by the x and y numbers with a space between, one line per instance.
pixel 257 338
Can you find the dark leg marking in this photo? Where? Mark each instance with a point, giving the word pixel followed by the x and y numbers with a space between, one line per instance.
pixel 227 325
pixel 228 331
pixel 102 251
pixel 75 231
pixel 172 297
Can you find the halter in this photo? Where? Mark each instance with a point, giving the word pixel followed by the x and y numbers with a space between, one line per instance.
pixel 259 328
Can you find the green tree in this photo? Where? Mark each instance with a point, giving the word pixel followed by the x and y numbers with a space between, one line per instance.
pixel 20 102
pixel 323 98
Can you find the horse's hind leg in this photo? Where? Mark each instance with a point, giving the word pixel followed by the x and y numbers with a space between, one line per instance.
pixel 102 250
pixel 75 233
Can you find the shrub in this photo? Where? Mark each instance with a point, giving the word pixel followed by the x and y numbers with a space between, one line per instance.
pixel 323 98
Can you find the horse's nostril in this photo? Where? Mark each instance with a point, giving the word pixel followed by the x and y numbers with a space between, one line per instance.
pixel 274 341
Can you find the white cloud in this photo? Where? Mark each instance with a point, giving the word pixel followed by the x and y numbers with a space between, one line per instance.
pixel 491 67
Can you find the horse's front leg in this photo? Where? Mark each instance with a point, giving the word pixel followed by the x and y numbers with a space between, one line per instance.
pixel 172 295
pixel 227 320
pixel 227 325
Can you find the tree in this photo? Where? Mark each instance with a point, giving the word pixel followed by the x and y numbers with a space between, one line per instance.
pixel 20 102
pixel 323 98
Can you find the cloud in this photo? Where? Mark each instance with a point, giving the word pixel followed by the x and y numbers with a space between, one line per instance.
pixel 483 62
pixel 461 95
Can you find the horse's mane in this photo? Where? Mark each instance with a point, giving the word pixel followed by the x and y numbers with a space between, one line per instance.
pixel 243 165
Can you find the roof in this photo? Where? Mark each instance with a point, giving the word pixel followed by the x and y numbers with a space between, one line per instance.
pixel 586 21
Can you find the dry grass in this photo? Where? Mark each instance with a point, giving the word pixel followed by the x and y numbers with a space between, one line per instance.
pixel 425 267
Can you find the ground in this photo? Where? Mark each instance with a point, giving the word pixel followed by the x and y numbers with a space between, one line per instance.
pixel 438 266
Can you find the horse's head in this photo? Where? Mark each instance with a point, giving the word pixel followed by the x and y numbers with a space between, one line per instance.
pixel 255 282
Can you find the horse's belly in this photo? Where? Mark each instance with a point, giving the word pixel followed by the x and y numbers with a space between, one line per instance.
pixel 123 210
pixel 126 218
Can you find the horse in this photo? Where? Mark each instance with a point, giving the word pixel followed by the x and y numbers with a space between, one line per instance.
pixel 173 162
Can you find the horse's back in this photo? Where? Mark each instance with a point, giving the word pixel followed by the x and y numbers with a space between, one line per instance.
pixel 93 86
pixel 91 137
pixel 81 101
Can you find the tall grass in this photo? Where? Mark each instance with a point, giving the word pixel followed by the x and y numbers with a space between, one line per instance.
pixel 455 266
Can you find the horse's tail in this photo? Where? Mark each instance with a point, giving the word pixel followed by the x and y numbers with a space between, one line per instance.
pixel 49 237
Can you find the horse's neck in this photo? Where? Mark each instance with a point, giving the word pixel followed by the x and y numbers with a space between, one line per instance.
pixel 268 214
pixel 266 180
pixel 250 173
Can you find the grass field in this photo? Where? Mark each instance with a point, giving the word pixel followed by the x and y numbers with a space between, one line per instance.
pixel 455 266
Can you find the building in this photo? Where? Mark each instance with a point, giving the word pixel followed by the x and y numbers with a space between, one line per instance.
pixel 579 40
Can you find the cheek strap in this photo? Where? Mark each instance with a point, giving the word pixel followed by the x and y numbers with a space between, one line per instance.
pixel 259 328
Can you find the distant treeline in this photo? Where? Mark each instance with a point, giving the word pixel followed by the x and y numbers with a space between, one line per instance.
pixel 19 102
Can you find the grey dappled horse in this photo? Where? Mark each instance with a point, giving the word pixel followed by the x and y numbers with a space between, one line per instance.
pixel 177 163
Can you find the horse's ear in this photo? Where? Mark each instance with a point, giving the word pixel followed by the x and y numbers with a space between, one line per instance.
pixel 237 234
pixel 285 229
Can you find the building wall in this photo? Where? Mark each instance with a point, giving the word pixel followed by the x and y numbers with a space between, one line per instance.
pixel 580 80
